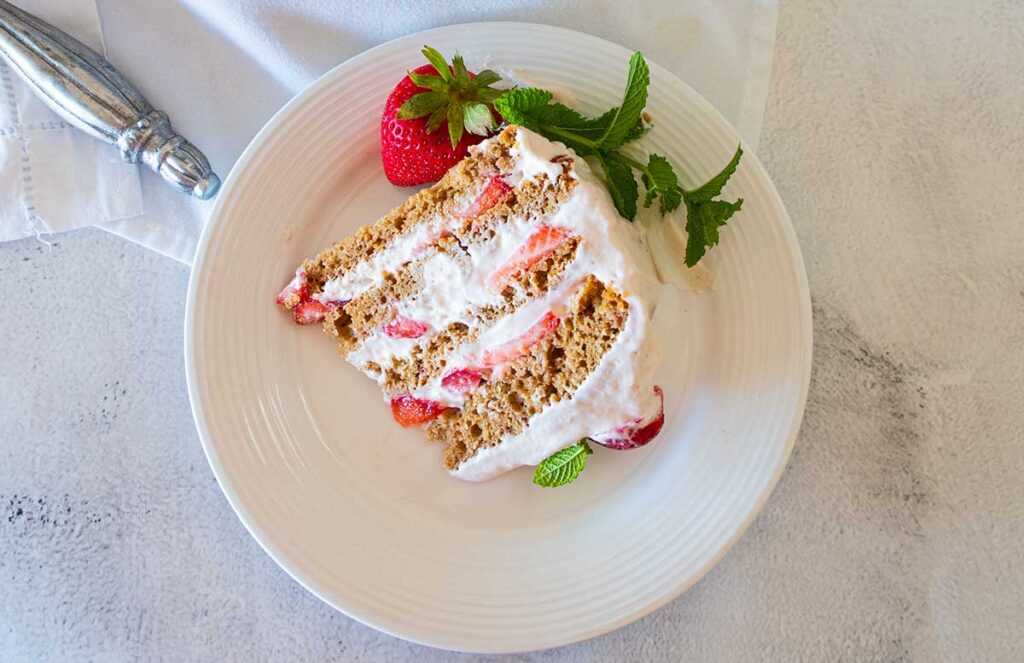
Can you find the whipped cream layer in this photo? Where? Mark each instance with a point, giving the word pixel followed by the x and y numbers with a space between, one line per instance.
pixel 618 391
pixel 621 388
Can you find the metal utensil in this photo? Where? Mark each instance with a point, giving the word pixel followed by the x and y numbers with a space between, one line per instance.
pixel 84 89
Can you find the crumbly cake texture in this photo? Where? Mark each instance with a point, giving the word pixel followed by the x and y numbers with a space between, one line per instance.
pixel 440 199
pixel 524 339
pixel 550 373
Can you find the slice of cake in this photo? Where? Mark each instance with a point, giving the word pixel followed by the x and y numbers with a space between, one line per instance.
pixel 506 308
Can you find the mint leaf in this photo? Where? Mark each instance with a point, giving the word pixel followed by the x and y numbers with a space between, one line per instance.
pixel 517 105
pixel 638 131
pixel 421 104
pixel 563 466
pixel 601 137
pixel 703 219
pixel 622 186
pixel 661 180
pixel 531 108
pixel 713 187
pixel 704 215
pixel 624 118
pixel 435 58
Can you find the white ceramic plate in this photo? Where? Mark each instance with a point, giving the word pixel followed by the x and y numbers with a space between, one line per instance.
pixel 359 510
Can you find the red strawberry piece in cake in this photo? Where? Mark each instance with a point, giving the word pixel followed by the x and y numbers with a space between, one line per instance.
pixel 296 290
pixel 462 380
pixel 519 347
pixel 636 433
pixel 403 327
pixel 409 411
pixel 494 192
pixel 305 309
pixel 541 244
pixel 309 311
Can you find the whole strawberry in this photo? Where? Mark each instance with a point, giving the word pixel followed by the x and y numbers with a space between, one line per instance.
pixel 432 117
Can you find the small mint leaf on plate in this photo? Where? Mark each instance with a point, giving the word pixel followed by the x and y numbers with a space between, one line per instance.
pixel 563 466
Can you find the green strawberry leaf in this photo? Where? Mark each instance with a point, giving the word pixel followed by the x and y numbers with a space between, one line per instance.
pixel 453 97
pixel 435 83
pixel 486 77
pixel 478 119
pixel 435 119
pixel 435 58
pixel 421 104
pixel 459 69
pixel 488 94
pixel 455 123
pixel 563 466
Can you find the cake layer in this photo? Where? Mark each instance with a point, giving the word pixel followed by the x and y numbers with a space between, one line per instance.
pixel 550 372
pixel 429 359
pixel 490 302
pixel 489 184
pixel 449 198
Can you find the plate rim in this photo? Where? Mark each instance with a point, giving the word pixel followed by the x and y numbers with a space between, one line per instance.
pixel 310 584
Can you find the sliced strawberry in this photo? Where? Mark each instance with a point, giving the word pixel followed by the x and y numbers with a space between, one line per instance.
pixel 296 290
pixel 537 246
pixel 403 327
pixel 495 191
pixel 519 347
pixel 462 380
pixel 309 311
pixel 636 433
pixel 409 411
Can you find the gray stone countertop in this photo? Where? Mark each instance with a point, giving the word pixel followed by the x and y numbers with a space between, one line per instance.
pixel 895 134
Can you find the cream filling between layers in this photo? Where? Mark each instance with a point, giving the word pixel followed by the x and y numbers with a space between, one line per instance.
pixel 454 289
pixel 621 388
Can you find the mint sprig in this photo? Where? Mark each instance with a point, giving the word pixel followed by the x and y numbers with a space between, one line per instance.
pixel 562 467
pixel 601 137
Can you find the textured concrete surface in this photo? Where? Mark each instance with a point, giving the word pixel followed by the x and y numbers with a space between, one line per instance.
pixel 895 133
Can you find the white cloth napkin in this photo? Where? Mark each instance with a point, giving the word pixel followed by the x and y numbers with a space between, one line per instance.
pixel 52 176
pixel 221 68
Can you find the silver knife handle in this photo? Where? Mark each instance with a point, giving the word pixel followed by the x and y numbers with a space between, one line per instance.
pixel 84 89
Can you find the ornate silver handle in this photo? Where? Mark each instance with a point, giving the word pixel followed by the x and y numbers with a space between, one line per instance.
pixel 83 88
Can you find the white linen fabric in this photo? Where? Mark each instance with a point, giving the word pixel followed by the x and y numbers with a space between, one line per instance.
pixel 221 68
pixel 52 176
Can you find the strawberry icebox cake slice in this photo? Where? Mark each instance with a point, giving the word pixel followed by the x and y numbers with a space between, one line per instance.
pixel 503 308
pixel 507 308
